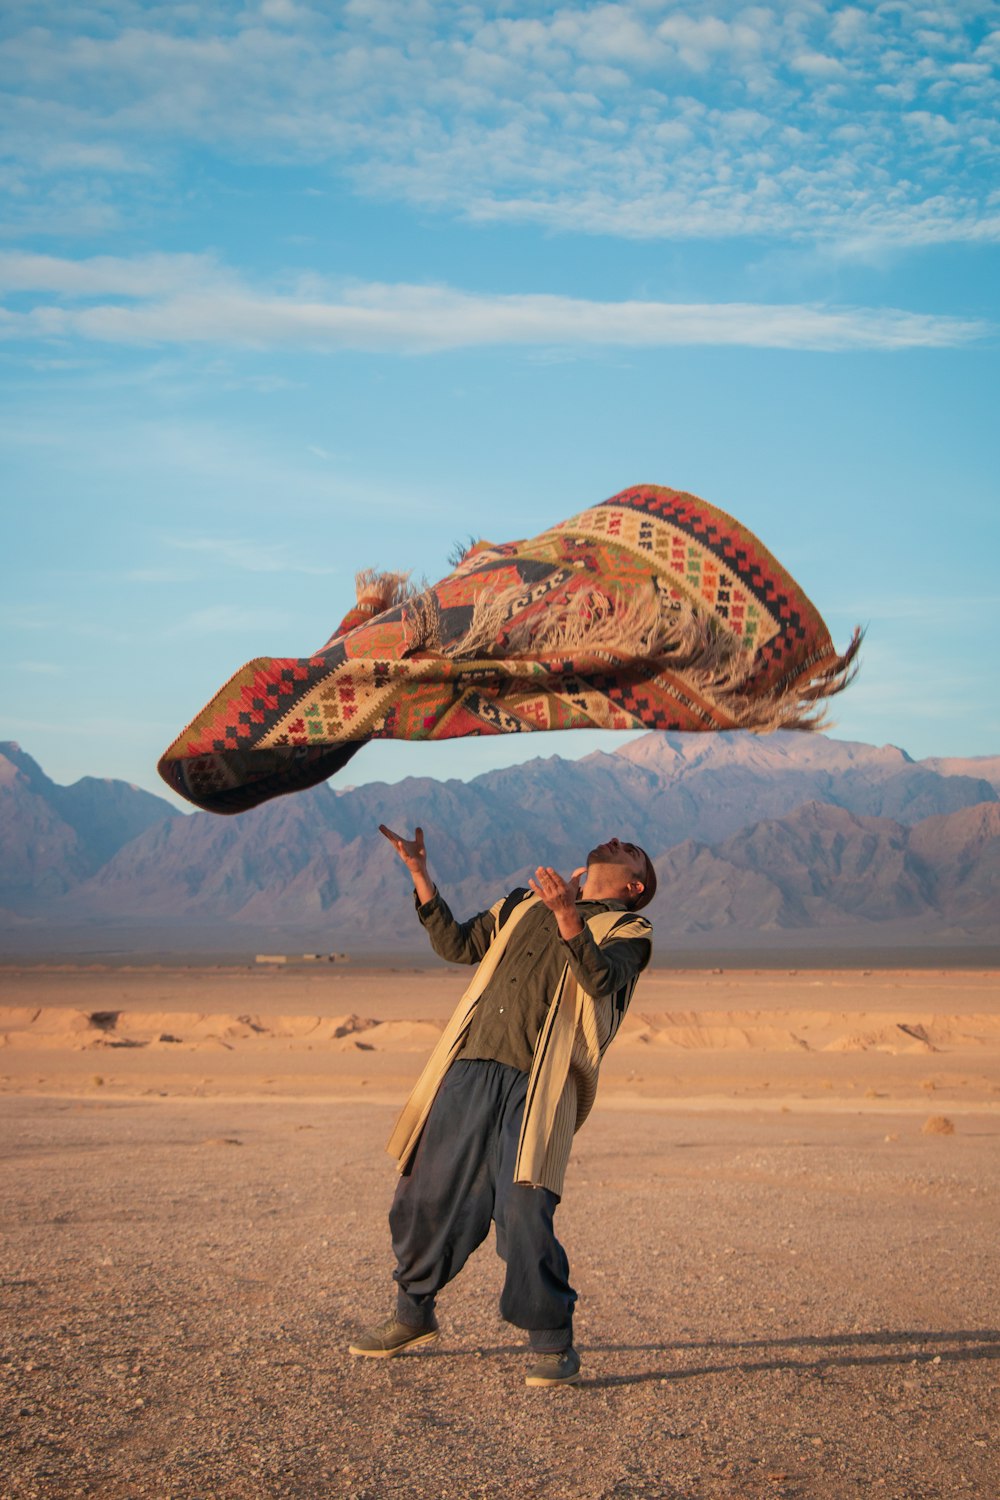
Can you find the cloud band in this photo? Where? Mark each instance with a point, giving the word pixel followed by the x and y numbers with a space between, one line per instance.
pixel 191 300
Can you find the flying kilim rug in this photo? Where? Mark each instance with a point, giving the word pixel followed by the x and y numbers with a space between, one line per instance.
pixel 653 610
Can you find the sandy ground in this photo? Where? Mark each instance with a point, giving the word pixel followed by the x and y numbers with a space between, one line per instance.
pixel 788 1285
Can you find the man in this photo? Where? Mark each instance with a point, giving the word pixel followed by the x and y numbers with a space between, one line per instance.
pixel 486 1133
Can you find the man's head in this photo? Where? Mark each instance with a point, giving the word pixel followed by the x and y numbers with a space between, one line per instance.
pixel 620 871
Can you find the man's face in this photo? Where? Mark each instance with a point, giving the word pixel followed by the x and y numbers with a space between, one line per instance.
pixel 618 852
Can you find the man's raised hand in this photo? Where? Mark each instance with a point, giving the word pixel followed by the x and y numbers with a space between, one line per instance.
pixel 412 852
pixel 414 856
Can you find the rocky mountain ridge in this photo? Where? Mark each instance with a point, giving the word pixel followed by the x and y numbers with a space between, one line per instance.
pixel 788 833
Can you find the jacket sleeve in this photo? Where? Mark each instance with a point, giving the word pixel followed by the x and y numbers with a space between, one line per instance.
pixel 607 972
pixel 602 970
pixel 457 942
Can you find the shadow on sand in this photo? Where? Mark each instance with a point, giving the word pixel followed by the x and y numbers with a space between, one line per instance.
pixel 829 1351
pixel 813 1353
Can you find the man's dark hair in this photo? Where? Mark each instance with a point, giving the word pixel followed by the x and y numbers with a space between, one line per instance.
pixel 648 878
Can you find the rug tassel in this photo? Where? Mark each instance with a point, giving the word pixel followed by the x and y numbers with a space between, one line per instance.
pixel 380 591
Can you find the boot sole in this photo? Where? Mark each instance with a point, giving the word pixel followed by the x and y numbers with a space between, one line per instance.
pixel 558 1380
pixel 423 1338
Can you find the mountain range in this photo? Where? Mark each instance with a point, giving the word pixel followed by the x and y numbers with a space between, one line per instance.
pixel 756 838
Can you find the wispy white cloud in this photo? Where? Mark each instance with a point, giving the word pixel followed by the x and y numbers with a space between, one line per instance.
pixel 204 458
pixel 111 276
pixel 41 668
pixel 156 303
pixel 613 118
pixel 25 616
pixel 54 621
pixel 225 619
pixel 250 557
pixel 896 682
pixel 157 575
pixel 915 607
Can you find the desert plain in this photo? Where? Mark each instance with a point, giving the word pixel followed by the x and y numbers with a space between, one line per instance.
pixel 781 1220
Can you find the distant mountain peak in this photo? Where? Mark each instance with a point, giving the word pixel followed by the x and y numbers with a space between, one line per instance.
pixel 52 837
pixel 23 765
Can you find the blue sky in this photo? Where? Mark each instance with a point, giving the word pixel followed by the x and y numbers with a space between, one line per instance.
pixel 288 291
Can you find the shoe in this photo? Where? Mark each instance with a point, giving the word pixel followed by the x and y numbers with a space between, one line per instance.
pixel 555 1369
pixel 391 1338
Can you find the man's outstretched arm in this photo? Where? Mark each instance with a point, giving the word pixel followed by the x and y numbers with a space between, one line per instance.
pixel 457 942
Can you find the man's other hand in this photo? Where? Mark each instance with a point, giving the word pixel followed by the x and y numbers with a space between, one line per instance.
pixel 560 897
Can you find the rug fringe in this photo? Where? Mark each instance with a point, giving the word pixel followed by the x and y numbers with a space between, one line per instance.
pixel 800 704
pixel 672 635
pixel 421 623
pixel 380 591
pixel 650 626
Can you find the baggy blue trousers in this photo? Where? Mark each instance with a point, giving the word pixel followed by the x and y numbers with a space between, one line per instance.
pixel 461 1178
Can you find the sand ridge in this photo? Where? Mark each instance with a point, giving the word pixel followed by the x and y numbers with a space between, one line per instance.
pixel 722 1031
pixel 839 1039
